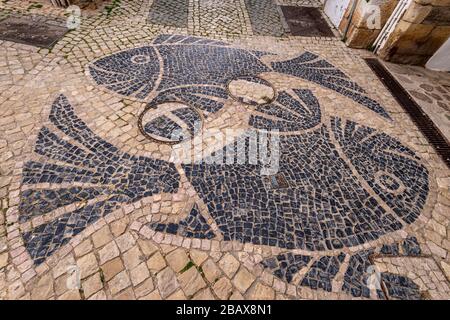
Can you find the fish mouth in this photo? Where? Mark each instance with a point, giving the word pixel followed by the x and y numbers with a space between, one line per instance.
pixel 132 73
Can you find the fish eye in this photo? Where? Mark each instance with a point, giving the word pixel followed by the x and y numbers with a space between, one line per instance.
pixel 389 182
pixel 140 59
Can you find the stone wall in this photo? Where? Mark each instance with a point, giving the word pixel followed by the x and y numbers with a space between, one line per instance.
pixel 363 29
pixel 423 29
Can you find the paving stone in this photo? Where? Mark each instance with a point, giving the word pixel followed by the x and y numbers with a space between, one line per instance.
pixel 102 237
pixel 236 296
pixel 145 288
pixel 111 268
pixel 156 262
pixel 60 285
pixel 152 296
pixel 108 252
pixel 211 271
pixel 70 295
pixel 223 288
pixel 83 248
pixel 118 227
pixel 191 281
pixel 167 282
pixel 101 295
pixel 125 242
pixel 446 267
pixel 133 257
pixel 243 280
pixel 261 292
pixel 205 294
pixel 147 247
pixel 229 264
pixel 139 274
pixel 177 259
pixel 198 256
pixel 436 250
pixel 178 295
pixel 127 294
pixel 92 285
pixel 43 289
pixel 88 265
pixel 119 282
pixel 3 259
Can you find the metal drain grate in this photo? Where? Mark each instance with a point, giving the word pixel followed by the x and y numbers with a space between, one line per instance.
pixel 306 22
pixel 420 118
pixel 33 31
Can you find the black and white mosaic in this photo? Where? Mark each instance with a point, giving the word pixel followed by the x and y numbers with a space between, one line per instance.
pixel 292 113
pixel 193 226
pixel 196 71
pixel 401 287
pixel 172 124
pixel 322 272
pixel 310 66
pixel 325 206
pixel 113 178
pixel 337 186
pixel 356 277
pixel 286 265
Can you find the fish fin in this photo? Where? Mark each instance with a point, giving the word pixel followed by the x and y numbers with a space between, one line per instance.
pixel 310 67
pixel 42 241
pixel 288 113
pixel 193 226
pixel 36 202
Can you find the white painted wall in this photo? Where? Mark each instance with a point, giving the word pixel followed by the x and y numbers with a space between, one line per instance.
pixel 335 10
pixel 440 61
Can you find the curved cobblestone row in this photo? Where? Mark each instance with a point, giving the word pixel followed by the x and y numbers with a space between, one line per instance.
pixel 355 208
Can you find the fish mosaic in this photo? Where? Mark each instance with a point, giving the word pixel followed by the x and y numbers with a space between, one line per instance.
pixel 344 184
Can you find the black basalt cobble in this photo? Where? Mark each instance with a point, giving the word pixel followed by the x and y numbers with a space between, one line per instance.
pixel 411 247
pixel 355 278
pixel 196 71
pixel 325 207
pixel 400 287
pixel 284 266
pixel 293 113
pixel 184 123
pixel 380 153
pixel 310 67
pixel 390 249
pixel 322 272
pixel 193 226
pixel 164 127
pixel 117 176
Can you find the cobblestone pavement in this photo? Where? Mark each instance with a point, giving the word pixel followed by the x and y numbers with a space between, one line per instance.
pixel 101 199
pixel 430 89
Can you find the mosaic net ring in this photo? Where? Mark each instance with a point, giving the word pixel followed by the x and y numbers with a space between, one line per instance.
pixel 161 128
pixel 256 80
